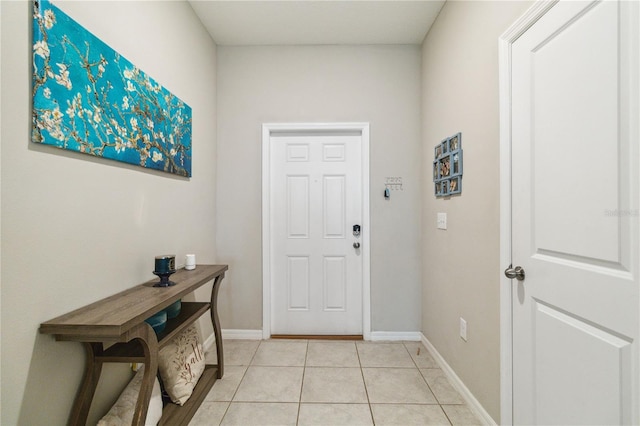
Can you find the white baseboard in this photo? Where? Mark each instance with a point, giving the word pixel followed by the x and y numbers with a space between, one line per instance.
pixel 242 334
pixel 233 334
pixel 414 336
pixel 471 400
pixel 208 342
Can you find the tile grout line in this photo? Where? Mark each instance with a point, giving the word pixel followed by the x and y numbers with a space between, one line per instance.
pixel 364 383
pixel 421 375
pixel 304 371
pixel 427 382
pixel 446 415
pixel 239 383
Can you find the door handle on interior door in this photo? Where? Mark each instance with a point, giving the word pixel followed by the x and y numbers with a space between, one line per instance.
pixel 517 273
pixel 356 245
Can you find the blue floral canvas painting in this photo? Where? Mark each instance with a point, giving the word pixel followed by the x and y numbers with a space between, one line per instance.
pixel 88 98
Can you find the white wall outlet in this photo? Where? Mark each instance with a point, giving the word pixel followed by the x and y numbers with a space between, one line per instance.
pixel 463 329
pixel 442 221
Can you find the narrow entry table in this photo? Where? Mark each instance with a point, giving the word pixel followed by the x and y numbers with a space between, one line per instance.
pixel 118 321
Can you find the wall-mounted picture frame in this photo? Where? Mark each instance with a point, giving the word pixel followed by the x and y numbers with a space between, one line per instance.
pixel 455 185
pixel 456 164
pixel 454 142
pixel 447 166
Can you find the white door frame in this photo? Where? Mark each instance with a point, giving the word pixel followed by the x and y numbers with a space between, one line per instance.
pixel 267 130
pixel 533 14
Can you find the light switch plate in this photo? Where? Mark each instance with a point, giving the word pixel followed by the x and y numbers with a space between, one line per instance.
pixel 463 329
pixel 442 221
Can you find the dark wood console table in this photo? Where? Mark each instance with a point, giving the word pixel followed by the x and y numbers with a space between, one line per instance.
pixel 119 322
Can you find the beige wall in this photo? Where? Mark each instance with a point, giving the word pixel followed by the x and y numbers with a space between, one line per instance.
pixel 76 229
pixel 0 221
pixel 460 266
pixel 375 84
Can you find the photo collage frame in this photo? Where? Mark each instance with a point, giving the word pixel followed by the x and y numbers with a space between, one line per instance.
pixel 447 166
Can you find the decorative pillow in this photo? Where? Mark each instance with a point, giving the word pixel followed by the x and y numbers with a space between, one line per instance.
pixel 181 363
pixel 121 413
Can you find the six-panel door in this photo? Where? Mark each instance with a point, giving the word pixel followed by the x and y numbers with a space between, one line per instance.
pixel 316 200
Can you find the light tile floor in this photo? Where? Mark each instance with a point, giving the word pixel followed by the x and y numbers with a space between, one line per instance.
pixel 315 382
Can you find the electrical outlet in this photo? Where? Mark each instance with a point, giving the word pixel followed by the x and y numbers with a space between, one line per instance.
pixel 463 329
pixel 442 221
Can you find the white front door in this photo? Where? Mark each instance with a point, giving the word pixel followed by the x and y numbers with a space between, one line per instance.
pixel 316 200
pixel 575 94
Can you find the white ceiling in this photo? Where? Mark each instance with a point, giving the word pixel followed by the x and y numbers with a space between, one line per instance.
pixel 312 22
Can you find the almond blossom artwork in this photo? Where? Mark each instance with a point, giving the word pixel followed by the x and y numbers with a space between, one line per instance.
pixel 88 98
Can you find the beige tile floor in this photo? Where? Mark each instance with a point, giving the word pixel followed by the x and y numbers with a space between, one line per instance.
pixel 300 382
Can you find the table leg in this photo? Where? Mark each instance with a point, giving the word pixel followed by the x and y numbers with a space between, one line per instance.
pixel 147 338
pixel 216 323
pixel 92 370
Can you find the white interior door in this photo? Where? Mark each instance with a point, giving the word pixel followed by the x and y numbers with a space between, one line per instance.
pixel 316 199
pixel 575 114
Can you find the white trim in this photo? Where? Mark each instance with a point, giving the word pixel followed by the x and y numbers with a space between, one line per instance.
pixel 242 334
pixel 504 48
pixel 459 385
pixel 266 232
pixel 413 336
pixel 208 342
pixel 267 129
pixel 366 236
pixel 506 361
pixel 375 336
pixel 233 334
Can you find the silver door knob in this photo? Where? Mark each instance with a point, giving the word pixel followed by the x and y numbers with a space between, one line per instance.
pixel 517 273
pixel 356 245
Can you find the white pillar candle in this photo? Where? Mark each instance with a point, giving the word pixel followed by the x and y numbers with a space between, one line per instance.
pixel 190 262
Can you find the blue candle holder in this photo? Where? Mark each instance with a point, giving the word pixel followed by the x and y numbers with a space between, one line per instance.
pixel 165 266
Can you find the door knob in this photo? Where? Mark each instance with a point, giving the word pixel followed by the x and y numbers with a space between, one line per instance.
pixel 517 273
pixel 356 245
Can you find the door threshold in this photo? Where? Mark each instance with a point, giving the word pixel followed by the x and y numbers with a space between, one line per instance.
pixel 318 336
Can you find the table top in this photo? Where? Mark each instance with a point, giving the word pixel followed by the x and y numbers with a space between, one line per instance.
pixel 114 315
